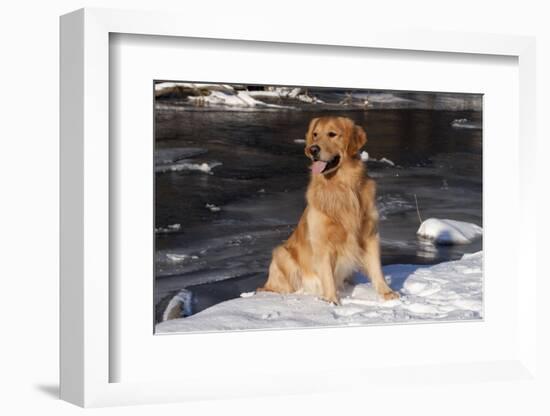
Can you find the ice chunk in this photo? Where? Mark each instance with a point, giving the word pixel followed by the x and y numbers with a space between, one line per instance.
pixel 180 166
pixel 464 123
pixel 168 229
pixel 177 257
pixel 449 231
pixel 387 161
pixel 175 154
pixel 213 207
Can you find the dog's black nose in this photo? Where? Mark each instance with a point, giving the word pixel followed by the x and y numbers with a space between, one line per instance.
pixel 314 150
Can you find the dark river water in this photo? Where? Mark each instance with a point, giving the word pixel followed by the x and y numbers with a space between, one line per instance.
pixel 229 187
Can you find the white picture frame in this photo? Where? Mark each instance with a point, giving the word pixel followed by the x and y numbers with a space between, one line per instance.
pixel 86 356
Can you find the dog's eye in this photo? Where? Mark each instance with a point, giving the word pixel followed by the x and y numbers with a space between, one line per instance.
pixel 332 134
pixel 314 134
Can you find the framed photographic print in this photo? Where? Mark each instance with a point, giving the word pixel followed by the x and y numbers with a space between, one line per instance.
pixel 228 198
pixel 231 180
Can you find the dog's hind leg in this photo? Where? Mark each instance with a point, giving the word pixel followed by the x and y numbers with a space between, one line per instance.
pixel 282 273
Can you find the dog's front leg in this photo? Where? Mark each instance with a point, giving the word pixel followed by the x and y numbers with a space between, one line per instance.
pixel 373 267
pixel 323 265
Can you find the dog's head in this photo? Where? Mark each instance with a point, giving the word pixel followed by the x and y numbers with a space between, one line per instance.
pixel 332 140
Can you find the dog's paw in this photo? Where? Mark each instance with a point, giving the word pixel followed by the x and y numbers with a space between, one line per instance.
pixel 333 300
pixel 390 295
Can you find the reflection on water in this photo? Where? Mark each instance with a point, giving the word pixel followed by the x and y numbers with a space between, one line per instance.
pixel 235 181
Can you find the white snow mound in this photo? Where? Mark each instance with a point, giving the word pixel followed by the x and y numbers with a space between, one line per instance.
pixel 448 291
pixel 449 231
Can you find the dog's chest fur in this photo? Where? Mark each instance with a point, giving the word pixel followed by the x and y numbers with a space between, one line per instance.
pixel 334 218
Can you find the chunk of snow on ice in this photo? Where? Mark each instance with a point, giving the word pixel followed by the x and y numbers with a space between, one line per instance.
pixel 387 161
pixel 180 166
pixel 299 141
pixel 449 231
pixel 390 204
pixel 179 306
pixel 464 123
pixel 213 207
pixel 176 154
pixel 459 297
pixel 231 99
pixel 309 99
pixel 247 294
pixel 176 257
pixel 294 92
pixel 365 157
pixel 168 229
pixel 386 98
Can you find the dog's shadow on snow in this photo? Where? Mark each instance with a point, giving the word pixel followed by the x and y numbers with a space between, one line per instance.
pixel 396 275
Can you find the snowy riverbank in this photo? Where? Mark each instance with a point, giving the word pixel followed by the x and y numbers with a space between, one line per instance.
pixel 193 96
pixel 445 292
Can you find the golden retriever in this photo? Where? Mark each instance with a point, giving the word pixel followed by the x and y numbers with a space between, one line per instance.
pixel 337 233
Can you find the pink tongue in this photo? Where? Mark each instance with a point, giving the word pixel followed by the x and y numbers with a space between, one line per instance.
pixel 318 166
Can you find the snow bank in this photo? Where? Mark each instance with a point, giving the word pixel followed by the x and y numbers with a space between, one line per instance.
pixel 231 99
pixel 449 231
pixel 447 291
pixel 386 98
pixel 289 93
pixel 238 97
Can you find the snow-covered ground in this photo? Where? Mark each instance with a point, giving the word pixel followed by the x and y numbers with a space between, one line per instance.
pixel 448 291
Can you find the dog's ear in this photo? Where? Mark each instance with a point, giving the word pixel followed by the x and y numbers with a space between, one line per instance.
pixel 310 129
pixel 309 134
pixel 357 139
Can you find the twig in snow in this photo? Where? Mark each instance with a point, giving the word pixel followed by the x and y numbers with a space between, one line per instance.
pixel 417 210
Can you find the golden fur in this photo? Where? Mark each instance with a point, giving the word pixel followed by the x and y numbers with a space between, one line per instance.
pixel 337 232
